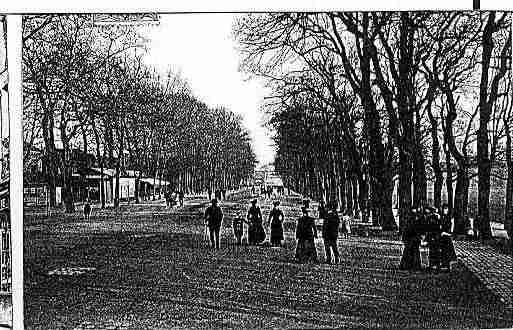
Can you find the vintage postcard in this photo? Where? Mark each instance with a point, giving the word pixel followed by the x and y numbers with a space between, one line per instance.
pixel 252 169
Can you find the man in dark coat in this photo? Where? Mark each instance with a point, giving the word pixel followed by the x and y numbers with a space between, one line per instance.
pixel 214 219
pixel 276 218
pixel 256 233
pixel 330 225
pixel 447 253
pixel 410 259
pixel 306 233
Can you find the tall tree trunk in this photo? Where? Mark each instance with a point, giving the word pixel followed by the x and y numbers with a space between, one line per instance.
pixel 101 160
pixel 448 181
pixel 483 157
pixel 420 181
pixel 377 168
pixel 349 196
pixel 461 199
pixel 435 159
pixel 363 197
pixel 419 166
pixel 406 154
pixel 67 190
pixel 51 168
pixel 354 185
pixel 508 213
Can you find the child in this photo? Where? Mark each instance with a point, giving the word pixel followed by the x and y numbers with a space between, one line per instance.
pixel 238 228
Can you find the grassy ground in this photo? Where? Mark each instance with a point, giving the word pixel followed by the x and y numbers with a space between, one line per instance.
pixel 155 271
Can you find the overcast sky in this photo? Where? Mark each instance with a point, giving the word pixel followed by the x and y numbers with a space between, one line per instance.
pixel 200 46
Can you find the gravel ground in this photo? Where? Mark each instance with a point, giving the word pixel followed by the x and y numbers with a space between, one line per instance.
pixel 150 268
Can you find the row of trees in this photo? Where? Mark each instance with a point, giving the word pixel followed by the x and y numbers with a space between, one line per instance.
pixel 364 100
pixel 86 87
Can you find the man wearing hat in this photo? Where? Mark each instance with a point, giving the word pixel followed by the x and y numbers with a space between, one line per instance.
pixel 256 233
pixel 306 232
pixel 213 219
pixel 330 225
pixel 276 218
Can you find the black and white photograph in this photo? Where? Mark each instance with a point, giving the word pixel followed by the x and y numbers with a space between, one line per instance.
pixel 5 220
pixel 263 170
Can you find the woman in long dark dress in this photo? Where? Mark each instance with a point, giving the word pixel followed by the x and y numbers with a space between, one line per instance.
pixel 306 232
pixel 276 218
pixel 446 246
pixel 411 238
pixel 256 233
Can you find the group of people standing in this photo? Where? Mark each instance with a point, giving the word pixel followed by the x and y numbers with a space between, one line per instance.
pixel 171 198
pixel 426 223
pixel 256 231
pixel 306 233
pixel 421 224
pixel 268 191
pixel 306 230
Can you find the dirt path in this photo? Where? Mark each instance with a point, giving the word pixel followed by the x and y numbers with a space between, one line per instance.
pixel 152 269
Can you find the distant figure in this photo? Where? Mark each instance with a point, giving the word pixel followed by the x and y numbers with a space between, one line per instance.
pixel 269 191
pixel 223 193
pixel 253 190
pixel 345 228
pixel 209 193
pixel 410 259
pixel 330 225
pixel 87 210
pixel 181 197
pixel 306 232
pixel 433 232
pixel 447 253
pixel 256 233
pixel 217 194
pixel 167 197
pixel 214 219
pixel 276 219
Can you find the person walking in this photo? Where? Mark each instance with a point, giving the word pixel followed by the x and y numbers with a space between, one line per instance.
pixel 213 220
pixel 256 233
pixel 306 233
pixel 410 259
pixel 447 253
pixel 276 219
pixel 209 191
pixel 330 226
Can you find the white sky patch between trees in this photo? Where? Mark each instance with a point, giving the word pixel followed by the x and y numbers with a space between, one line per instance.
pixel 201 48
